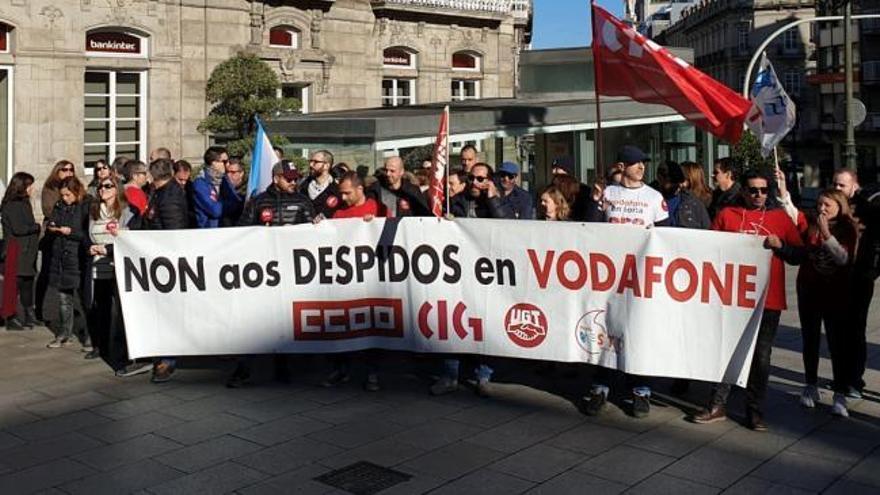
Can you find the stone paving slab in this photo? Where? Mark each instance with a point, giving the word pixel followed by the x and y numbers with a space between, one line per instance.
pixel 68 426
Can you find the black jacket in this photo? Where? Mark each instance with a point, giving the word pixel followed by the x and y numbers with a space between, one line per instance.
pixel 867 208
pixel 519 201
pixel 325 203
pixel 408 201
pixel 464 205
pixel 276 207
pixel 67 262
pixel 167 208
pixel 722 199
pixel 19 224
pixel 691 213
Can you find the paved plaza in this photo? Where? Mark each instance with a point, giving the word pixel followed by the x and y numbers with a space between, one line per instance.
pixel 67 425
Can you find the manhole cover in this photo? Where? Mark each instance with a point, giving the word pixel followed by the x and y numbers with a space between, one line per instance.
pixel 363 478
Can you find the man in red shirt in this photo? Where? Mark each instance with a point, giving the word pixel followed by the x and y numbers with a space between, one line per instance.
pixel 761 216
pixel 357 204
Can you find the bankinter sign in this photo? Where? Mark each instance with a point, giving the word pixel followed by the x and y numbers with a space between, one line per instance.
pixel 109 42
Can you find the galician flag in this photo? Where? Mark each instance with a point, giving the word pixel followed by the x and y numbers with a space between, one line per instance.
pixel 773 113
pixel 439 163
pixel 262 159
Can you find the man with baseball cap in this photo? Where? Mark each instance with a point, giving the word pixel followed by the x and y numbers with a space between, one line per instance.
pixel 514 197
pixel 280 204
pixel 631 203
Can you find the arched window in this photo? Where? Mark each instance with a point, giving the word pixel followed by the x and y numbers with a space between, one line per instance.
pixel 284 37
pixel 399 58
pixel 5 42
pixel 465 61
pixel 115 43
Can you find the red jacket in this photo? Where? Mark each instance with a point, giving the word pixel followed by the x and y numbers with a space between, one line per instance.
pixel 763 222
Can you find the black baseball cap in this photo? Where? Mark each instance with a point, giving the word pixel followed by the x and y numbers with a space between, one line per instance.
pixel 630 154
pixel 287 169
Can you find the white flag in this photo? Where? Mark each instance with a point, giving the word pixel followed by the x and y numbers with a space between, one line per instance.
pixel 773 113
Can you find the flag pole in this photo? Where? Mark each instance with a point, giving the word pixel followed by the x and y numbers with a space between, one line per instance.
pixel 446 172
pixel 600 167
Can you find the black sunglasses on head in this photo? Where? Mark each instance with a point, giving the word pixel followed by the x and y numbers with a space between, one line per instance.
pixel 67 169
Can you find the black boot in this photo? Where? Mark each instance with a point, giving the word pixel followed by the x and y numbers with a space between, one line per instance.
pixel 14 324
pixel 30 318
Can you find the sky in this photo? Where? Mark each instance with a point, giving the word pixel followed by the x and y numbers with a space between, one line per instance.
pixel 565 23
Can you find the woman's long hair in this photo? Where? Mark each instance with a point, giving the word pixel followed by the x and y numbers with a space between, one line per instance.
pixel 53 181
pixel 18 186
pixel 116 208
pixel 563 207
pixel 696 179
pixel 844 224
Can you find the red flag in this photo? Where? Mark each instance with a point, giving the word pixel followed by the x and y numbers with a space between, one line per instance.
pixel 437 191
pixel 628 64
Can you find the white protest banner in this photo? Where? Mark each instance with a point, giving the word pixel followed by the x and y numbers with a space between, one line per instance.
pixel 661 301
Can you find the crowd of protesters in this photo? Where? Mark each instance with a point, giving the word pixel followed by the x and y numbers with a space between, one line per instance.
pixel 74 293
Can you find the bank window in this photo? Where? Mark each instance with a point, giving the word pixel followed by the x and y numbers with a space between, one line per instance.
pixel 4 37
pixel 114 117
pixel 284 37
pixel 465 90
pixel 465 61
pixel 398 58
pixel 299 91
pixel 398 92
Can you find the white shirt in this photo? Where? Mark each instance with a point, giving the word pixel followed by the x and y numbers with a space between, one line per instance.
pixel 641 206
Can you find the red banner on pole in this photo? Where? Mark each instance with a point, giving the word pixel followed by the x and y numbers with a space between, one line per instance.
pixel 632 65
pixel 439 162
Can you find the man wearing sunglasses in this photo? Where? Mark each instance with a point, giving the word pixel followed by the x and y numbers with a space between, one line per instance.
pixel 761 215
pixel 514 197
pixel 206 188
pixel 320 186
pixel 480 199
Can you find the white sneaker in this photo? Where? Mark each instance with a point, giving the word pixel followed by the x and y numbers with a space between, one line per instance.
pixel 839 406
pixel 810 396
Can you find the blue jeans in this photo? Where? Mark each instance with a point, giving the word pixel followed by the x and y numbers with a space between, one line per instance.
pixel 450 370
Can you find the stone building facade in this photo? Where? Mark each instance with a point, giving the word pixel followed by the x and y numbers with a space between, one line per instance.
pixel 725 34
pixel 88 79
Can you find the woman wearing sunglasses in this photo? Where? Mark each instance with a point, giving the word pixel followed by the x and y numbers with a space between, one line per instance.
pixel 107 216
pixel 102 173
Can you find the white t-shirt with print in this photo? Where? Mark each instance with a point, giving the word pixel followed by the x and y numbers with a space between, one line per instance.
pixel 641 206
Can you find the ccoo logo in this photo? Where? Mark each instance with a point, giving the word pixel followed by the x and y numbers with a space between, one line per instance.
pixel 526 325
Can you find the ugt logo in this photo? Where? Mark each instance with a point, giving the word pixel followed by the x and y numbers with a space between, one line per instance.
pixel 526 325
